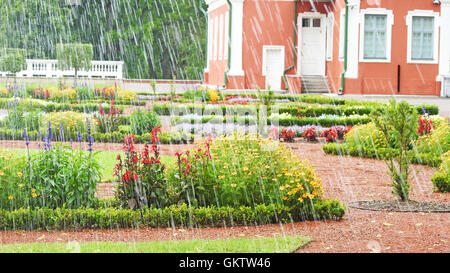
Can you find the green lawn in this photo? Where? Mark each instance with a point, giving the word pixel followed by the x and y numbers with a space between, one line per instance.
pixel 241 245
pixel 105 158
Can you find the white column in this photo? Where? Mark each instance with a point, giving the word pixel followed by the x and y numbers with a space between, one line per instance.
pixel 209 43
pixel 236 38
pixel 353 39
pixel 444 60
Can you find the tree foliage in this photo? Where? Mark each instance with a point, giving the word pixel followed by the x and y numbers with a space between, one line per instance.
pixel 155 39
pixel 76 56
pixel 12 60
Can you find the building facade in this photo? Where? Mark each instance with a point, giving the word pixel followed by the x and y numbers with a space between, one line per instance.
pixel 381 47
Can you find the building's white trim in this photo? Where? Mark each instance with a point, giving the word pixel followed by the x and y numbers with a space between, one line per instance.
pixel 353 42
pixel 214 4
pixel 330 34
pixel 341 35
pixel 237 38
pixel 423 13
pixel 444 55
pixel 389 23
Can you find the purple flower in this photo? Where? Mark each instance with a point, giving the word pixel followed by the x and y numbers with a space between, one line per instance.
pixel 61 131
pixel 25 137
pixel 90 137
pixel 79 137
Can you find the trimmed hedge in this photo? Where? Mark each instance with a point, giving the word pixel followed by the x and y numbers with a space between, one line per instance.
pixel 165 109
pixel 114 137
pixel 180 216
pixel 342 149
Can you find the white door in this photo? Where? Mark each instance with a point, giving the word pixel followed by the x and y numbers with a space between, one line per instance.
pixel 313 36
pixel 273 66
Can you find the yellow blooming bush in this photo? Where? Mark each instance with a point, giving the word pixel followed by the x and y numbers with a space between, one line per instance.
pixel 72 122
pixel 57 94
pixel 244 170
pixel 4 92
pixel 13 191
pixel 213 95
pixel 366 136
pixel 126 94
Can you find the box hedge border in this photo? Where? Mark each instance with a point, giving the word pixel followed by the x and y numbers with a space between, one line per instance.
pixel 173 216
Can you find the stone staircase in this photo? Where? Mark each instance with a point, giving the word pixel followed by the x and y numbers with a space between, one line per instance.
pixel 315 85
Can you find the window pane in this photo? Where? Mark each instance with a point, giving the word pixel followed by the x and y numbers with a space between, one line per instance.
pixel 368 44
pixel 316 22
pixel 375 36
pixel 380 45
pixel 422 44
pixel 428 23
pixel 305 22
pixel 427 46
pixel 415 46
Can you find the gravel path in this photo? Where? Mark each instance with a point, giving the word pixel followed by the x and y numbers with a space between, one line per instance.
pixel 345 178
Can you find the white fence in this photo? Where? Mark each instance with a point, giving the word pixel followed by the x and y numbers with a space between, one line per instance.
pixel 49 69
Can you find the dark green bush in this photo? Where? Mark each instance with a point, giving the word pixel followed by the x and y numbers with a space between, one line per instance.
pixel 106 217
pixel 441 182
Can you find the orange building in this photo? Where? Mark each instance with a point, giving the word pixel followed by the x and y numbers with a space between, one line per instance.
pixel 306 46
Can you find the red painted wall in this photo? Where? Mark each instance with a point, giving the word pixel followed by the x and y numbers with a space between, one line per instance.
pixel 381 78
pixel 265 23
pixel 271 23
pixel 217 68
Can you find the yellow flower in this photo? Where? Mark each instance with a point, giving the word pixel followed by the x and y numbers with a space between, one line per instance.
pixel 10 197
pixel 19 174
pixel 34 195
pixel 33 190
pixel 20 185
pixel 2 173
pixel 233 185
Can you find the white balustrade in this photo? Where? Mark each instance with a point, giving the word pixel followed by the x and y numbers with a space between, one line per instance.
pixel 49 69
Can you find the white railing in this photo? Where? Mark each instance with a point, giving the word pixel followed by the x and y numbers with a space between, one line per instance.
pixel 49 69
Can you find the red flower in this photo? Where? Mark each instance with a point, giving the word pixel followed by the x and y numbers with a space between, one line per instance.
pixel 126 176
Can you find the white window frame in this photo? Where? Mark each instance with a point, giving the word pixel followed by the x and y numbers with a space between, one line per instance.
pixel 265 48
pixel 389 22
pixel 342 35
pixel 330 32
pixel 423 13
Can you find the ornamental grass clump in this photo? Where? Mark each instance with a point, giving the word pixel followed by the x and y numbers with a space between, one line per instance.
pixel 398 123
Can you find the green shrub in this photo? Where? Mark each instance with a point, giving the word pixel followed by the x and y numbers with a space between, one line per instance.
pixel 178 216
pixel 441 180
pixel 143 121
pixel 61 177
